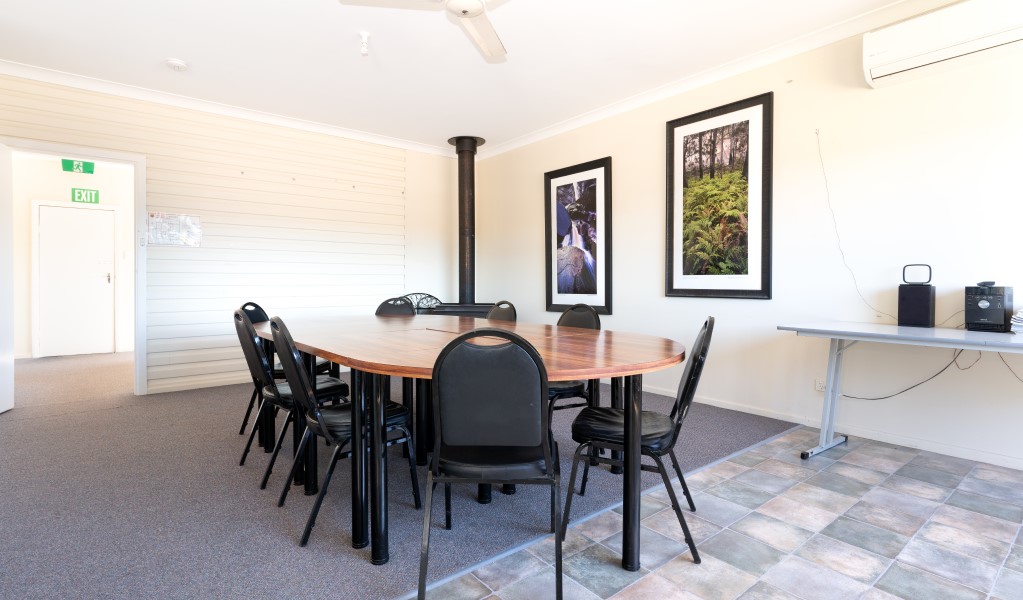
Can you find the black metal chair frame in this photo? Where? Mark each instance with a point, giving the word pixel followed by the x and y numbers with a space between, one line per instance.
pixel 399 305
pixel 303 394
pixel 551 477
pixel 679 410
pixel 422 301
pixel 503 310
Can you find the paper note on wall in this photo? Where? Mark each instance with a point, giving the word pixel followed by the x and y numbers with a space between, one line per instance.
pixel 166 229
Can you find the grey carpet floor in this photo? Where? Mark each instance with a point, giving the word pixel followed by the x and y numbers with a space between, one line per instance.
pixel 109 495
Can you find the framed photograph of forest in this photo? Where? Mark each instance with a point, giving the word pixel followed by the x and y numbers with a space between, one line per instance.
pixel 719 201
pixel 578 221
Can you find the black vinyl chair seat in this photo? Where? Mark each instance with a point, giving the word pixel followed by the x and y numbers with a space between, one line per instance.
pixel 607 425
pixel 322 368
pixel 338 419
pixel 327 388
pixel 490 463
pixel 566 389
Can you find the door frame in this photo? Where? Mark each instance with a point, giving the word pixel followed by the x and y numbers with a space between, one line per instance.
pixel 36 205
pixel 139 246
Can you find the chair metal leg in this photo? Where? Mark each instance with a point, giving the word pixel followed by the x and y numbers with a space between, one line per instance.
pixel 424 552
pixel 678 509
pixel 447 506
pixel 294 466
pixel 558 537
pixel 571 487
pixel 586 476
pixel 277 449
pixel 255 428
pixel 411 453
pixel 681 479
pixel 248 411
pixel 319 497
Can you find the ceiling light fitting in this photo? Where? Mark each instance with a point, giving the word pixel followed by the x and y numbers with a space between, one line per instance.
pixel 364 46
pixel 176 64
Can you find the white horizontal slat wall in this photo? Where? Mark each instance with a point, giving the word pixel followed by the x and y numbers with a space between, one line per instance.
pixel 300 222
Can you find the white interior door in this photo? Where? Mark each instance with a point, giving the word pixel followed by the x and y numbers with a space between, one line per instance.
pixel 74 305
pixel 6 281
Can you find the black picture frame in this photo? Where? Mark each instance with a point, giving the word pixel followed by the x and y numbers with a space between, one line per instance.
pixel 719 178
pixel 578 236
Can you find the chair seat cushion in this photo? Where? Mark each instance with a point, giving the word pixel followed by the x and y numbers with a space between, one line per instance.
pixel 603 424
pixel 327 389
pixel 566 389
pixel 338 418
pixel 493 462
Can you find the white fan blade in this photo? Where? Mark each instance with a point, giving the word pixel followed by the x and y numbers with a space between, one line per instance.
pixel 399 4
pixel 482 32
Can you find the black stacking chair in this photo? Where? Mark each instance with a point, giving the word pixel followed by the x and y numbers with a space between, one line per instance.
pixel 502 311
pixel 491 425
pixel 332 422
pixel 273 395
pixel 584 316
pixel 600 427
pixel 422 302
pixel 396 306
pixel 258 315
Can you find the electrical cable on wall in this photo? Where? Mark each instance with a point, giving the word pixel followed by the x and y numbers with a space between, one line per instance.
pixel 838 237
pixel 955 357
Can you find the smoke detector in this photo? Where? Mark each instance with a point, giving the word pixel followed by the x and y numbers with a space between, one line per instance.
pixel 176 64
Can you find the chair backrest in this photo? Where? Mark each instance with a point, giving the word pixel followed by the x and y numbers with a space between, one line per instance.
pixel 396 306
pixel 491 397
pixel 302 392
pixel 422 302
pixel 252 346
pixel 691 376
pixel 580 315
pixel 255 312
pixel 503 311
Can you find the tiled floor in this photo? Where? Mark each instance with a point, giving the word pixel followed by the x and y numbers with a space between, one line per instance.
pixel 865 520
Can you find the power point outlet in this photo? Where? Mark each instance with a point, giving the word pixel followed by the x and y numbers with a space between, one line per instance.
pixel 818 384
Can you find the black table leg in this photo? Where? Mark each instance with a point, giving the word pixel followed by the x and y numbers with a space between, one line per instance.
pixel 423 417
pixel 484 493
pixel 360 497
pixel 617 401
pixel 408 400
pixel 267 424
pixel 378 471
pixel 631 493
pixel 309 461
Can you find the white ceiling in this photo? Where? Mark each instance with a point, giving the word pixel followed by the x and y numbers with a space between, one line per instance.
pixel 423 81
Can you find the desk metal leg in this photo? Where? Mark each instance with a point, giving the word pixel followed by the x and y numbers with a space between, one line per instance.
pixel 828 438
pixel 378 471
pixel 360 499
pixel 617 401
pixel 631 492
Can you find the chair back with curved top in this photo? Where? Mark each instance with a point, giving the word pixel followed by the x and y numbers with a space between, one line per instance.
pixel 503 311
pixel 422 301
pixel 691 376
pixel 252 347
pixel 302 393
pixel 396 306
pixel 580 315
pixel 255 312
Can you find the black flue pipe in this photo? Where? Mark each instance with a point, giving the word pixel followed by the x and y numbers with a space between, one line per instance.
pixel 465 148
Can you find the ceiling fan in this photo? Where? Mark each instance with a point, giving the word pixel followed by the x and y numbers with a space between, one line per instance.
pixel 470 14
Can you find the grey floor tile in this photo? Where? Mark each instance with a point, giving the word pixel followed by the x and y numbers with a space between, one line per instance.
pixel 868 476
pixel 959 568
pixel 886 518
pixel 884 464
pixel 986 505
pixel 1011 494
pixel 915 487
pixel 573 542
pixel 950 464
pixel 666 523
pixel 718 510
pixel 891 451
pixel 599 570
pixel 648 506
pixel 839 483
pixel 911 583
pixel 765 481
pixel 1015 560
pixel 712 579
pixel 876 594
pixel 897 501
pixel 701 481
pixel 816 462
pixel 601 526
pixel 654 548
pixel 853 562
pixel 771 531
pixel 805 579
pixel 866 536
pixel 968 520
pixel 654 586
pixel 509 569
pixel 800 515
pixel 999 475
pixel 740 493
pixel 766 591
pixel 751 458
pixel 465 587
pixel 725 470
pixel 786 470
pixel 542 585
pixel 742 552
pixel 1008 586
pixel 933 476
pixel 819 498
pixel 965 542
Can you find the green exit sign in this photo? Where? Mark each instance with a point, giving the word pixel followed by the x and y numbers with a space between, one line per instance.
pixel 86 196
pixel 77 166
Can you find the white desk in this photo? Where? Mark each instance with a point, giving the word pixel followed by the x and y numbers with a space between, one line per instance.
pixel 844 335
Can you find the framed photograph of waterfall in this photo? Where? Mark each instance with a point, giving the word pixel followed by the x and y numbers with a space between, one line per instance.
pixel 578 220
pixel 718 241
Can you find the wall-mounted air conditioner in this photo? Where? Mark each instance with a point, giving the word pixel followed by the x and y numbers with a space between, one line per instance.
pixel 938 38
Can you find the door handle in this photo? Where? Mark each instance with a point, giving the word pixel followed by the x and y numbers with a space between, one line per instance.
pixel 108 277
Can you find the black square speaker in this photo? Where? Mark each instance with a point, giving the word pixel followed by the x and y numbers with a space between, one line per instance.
pixel 916 305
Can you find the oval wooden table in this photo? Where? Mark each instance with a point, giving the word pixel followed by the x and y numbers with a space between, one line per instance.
pixel 376 348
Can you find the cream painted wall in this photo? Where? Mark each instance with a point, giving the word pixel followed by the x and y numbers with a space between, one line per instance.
pixel 40 177
pixel 431 225
pixel 919 172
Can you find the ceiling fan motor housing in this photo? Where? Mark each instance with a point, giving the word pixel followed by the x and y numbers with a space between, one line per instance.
pixel 465 8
